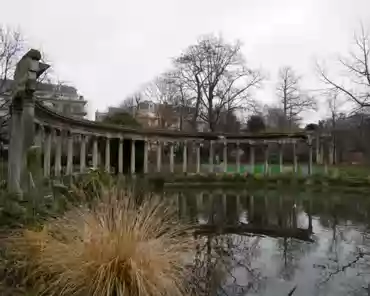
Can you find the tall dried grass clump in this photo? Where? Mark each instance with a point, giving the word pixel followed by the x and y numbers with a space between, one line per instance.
pixel 114 248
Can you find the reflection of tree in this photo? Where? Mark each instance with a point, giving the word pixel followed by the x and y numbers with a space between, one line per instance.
pixel 223 262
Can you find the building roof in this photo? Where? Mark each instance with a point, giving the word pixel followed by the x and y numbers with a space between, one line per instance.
pixel 6 86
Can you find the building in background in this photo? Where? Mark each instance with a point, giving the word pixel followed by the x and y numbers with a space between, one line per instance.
pixel 151 114
pixel 61 98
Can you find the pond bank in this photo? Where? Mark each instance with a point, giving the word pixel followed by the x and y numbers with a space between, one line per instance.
pixel 284 181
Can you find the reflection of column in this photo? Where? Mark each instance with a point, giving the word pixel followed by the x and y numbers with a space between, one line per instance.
pixel 295 165
pixel 251 209
pixel 58 153
pixel 185 157
pixel 47 152
pixel 133 156
pixel 172 157
pixel 238 209
pixel 198 157
pixel 238 157
pixel 309 156
pixel 211 156
pixel 107 154
pixel 199 202
pixel 266 166
pixel 83 153
pixel 281 160
pixel 225 157
pixel 224 203
pixel 69 170
pixel 159 156
pixel 120 156
pixel 251 160
pixel 309 214
pixel 95 152
pixel 146 156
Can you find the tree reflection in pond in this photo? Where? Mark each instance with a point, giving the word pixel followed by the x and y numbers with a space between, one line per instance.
pixel 273 243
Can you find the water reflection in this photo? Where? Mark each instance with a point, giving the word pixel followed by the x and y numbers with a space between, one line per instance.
pixel 278 244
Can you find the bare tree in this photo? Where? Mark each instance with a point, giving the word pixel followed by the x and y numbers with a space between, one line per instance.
pixel 217 73
pixel 356 72
pixel 11 49
pixel 132 103
pixel 292 98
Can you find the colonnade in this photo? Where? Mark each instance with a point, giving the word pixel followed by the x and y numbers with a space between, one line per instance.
pixel 46 137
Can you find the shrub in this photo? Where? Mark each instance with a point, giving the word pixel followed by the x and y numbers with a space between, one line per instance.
pixel 116 247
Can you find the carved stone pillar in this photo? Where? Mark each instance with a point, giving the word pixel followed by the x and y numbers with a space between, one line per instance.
pixel 69 170
pixel 39 136
pixel 281 155
pixel 47 152
pixel 225 156
pixel 185 157
pixel 28 115
pixel 266 158
pixel 83 154
pixel 198 157
pixel 295 161
pixel 317 149
pixel 171 157
pixel 159 156
pixel 95 152
pixel 146 148
pixel 16 155
pixel 211 156
pixel 331 152
pixel 238 157
pixel 252 157
pixel 58 153
pixel 133 156
pixel 309 142
pixel 120 156
pixel 107 154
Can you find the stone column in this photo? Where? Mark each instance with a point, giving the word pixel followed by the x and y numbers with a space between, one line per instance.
pixel 107 154
pixel 309 156
pixel 28 115
pixel 95 152
pixel 266 158
pixel 146 156
pixel 47 153
pixel 185 157
pixel 198 157
pixel 159 156
pixel 281 155
pixel 39 136
pixel 58 153
pixel 120 156
pixel 171 157
pixel 252 158
pixel 16 156
pixel 238 157
pixel 317 149
pixel 225 156
pixel 82 153
pixel 211 156
pixel 70 154
pixel 331 152
pixel 133 155
pixel 295 162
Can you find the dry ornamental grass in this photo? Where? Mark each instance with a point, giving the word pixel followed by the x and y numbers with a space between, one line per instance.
pixel 115 248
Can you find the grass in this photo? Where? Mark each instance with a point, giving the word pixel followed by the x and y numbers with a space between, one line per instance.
pixel 114 247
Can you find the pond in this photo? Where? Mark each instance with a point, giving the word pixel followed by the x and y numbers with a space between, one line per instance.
pixel 271 243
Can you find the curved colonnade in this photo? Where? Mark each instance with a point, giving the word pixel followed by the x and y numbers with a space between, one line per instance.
pixel 52 130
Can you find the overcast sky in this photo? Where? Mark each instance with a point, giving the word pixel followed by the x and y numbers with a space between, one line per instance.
pixel 107 49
